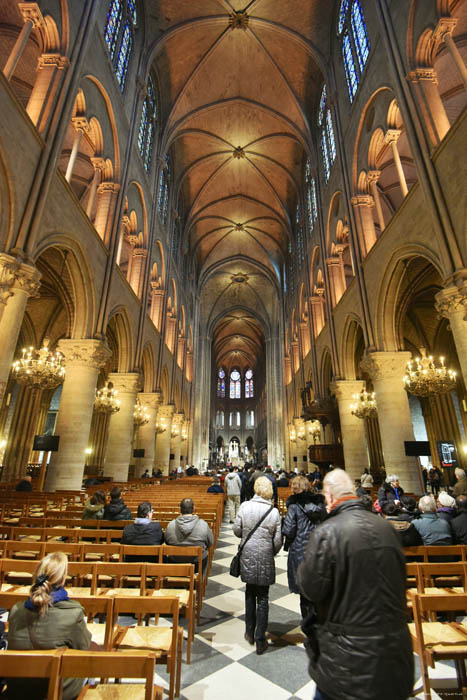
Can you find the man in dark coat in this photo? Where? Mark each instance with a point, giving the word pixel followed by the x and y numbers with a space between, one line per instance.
pixel 25 484
pixel 391 491
pixel 354 572
pixel 143 532
pixel 116 509
pixel 459 523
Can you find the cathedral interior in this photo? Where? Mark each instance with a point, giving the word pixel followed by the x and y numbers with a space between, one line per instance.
pixel 236 217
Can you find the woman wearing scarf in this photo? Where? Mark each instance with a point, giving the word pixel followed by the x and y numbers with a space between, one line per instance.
pixel 47 620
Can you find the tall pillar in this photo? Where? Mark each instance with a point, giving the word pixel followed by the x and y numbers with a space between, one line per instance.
pixel 392 137
pixel 18 282
pixel 275 402
pixel 106 197
pixel 363 205
pixel 176 440
pixel 161 458
pixel 138 265
pixel 99 167
pixel 157 304
pixel 451 303
pixel 352 428
pixel 50 71
pixel 80 125
pixel 387 370
pixel 373 177
pixel 146 437
pixel 202 402
pixel 32 18
pixel 83 359
pixel 336 278
pixel 443 32
pixel 436 119
pixel 301 444
pixel 121 428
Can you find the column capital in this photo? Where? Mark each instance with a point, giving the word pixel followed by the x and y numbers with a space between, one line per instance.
pixel 112 187
pixel 362 200
pixel 178 419
pixel 17 275
pixel 88 352
pixel 141 252
pixel 81 124
pixel 98 163
pixel 166 411
pixel 373 176
pixel 386 365
pixel 346 388
pixel 31 11
pixel 150 400
pixel 52 59
pixel 420 74
pixel 392 135
pixel 445 26
pixel 451 300
pixel 126 382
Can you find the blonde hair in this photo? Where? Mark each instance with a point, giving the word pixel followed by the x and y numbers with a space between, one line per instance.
pixel 300 484
pixel 54 568
pixel 263 487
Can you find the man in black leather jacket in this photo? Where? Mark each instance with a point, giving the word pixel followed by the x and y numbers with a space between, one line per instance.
pixel 354 572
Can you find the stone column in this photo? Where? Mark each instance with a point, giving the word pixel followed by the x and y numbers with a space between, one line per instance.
pixel 202 402
pixel 363 205
pixel 336 278
pixel 387 370
pixel 18 282
pixel 161 458
pixel 138 264
pixel 99 167
pixel 436 119
pixel 392 137
pixel 157 304
pixel 106 196
pixel 146 438
pixel 317 313
pixel 352 428
pixel 80 125
pixel 373 177
pixel 50 71
pixel 451 303
pixel 121 428
pixel 443 32
pixel 83 359
pixel 301 444
pixel 176 440
pixel 32 18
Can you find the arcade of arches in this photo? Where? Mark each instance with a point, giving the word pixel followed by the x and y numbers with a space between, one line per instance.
pixel 241 213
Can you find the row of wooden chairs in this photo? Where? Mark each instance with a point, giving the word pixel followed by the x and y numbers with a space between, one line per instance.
pixel 455 552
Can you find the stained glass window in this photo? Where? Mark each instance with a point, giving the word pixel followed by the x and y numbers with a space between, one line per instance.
pixel 249 388
pixel 311 197
pixel 299 235
pixel 235 388
pixel 118 35
pixel 291 271
pixel 147 126
pixel 112 25
pixel 221 384
pixel 355 43
pixel 163 191
pixel 327 141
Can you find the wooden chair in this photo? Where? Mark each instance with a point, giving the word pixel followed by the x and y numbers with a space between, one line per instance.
pixel 23 550
pixel 161 574
pixel 84 664
pixel 119 573
pixel 33 664
pixel 165 642
pixel 95 605
pixel 184 555
pixel 14 572
pixel 434 641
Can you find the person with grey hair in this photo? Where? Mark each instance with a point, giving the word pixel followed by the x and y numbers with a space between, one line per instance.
pixel 432 529
pixel 460 488
pixel 353 572
pixel 391 491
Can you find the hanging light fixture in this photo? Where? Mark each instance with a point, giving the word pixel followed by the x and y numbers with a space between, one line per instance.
pixel 184 434
pixel 174 432
pixel 314 430
pixel 292 434
pixel 42 368
pixel 161 426
pixel 364 406
pixel 106 400
pixel 424 377
pixel 141 414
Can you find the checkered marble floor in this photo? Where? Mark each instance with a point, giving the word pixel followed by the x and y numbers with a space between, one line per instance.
pixel 224 666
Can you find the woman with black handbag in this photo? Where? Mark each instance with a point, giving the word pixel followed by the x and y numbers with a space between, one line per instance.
pixel 258 523
pixel 305 510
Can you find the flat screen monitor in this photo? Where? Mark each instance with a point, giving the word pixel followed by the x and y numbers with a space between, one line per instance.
pixel 447 453
pixel 46 443
pixel 139 452
pixel 417 448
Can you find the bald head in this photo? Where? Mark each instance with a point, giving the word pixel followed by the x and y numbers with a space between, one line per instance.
pixel 427 504
pixel 338 484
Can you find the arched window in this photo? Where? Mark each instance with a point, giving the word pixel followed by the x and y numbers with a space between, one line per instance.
pixel 147 125
pixel 175 240
pixel 250 419
pixel 291 269
pixel 299 235
pixel 163 192
pixel 327 141
pixel 221 384
pixel 118 34
pixel 220 419
pixel 355 42
pixel 249 387
pixel 311 198
pixel 235 384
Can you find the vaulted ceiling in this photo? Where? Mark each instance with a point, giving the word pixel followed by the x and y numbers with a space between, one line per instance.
pixel 239 82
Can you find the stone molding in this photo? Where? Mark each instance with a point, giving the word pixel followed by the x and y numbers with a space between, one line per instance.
pixel 166 411
pixel 344 389
pixel 392 136
pixel 451 300
pixel 112 187
pixel 17 275
pixel 150 400
pixel 55 60
pixel 126 382
pixel 423 74
pixel 98 163
pixel 445 26
pixel 31 11
pixel 386 365
pixel 363 200
pixel 87 352
pixel 373 176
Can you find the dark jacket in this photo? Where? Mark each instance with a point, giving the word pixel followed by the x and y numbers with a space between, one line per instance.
pixel 215 488
pixel 93 511
pixel 409 535
pixel 459 528
pixel 387 494
pixel 283 482
pixel 24 485
pixel 305 511
pixel 117 510
pixel 142 534
pixel 354 572
pixel 62 626
pixel 433 530
pixel 446 513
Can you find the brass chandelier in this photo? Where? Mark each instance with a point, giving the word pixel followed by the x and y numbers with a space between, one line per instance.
pixel 424 378
pixel 41 369
pixel 161 426
pixel 315 430
pixel 106 400
pixel 141 414
pixel 364 405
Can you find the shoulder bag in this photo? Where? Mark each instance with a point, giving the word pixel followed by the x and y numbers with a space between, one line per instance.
pixel 235 563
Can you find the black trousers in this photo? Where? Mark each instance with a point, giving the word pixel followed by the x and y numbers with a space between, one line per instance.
pixel 256 610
